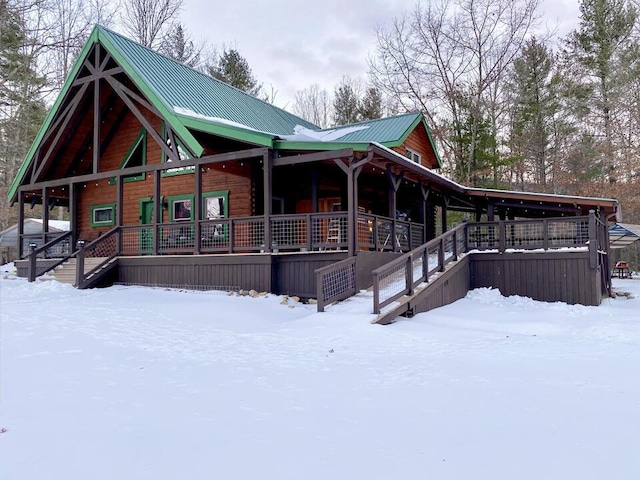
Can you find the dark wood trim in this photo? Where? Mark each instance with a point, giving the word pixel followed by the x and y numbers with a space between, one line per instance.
pixel 96 122
pixel 45 212
pixel 142 119
pixel 313 157
pixel 96 76
pixel 20 223
pixel 73 213
pixel 209 159
pixel 76 102
pixel 267 166
pixel 197 208
pixel 157 209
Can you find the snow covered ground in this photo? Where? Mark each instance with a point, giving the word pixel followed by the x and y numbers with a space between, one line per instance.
pixel 139 383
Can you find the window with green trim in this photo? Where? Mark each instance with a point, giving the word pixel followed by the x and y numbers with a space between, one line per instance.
pixel 215 205
pixel 183 154
pixel 135 157
pixel 180 208
pixel 103 215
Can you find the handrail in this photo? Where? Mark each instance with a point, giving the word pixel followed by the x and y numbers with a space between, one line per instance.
pixel 403 274
pixel 81 277
pixel 335 282
pixel 32 270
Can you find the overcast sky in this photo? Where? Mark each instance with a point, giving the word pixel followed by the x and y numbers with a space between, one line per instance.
pixel 293 44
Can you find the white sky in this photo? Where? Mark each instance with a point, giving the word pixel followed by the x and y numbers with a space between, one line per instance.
pixel 292 44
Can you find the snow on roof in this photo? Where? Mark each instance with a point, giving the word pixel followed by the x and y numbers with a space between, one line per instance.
pixel 303 134
pixel 190 113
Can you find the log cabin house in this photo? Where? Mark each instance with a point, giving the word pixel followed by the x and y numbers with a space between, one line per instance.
pixel 173 178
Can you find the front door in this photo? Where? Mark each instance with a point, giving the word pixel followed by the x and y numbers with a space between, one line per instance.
pixel 146 234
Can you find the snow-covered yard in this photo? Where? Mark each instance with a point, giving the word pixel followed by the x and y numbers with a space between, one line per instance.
pixel 139 383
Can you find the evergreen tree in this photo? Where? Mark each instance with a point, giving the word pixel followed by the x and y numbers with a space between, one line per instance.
pixel 346 104
pixel 533 84
pixel 21 108
pixel 233 68
pixel 371 105
pixel 180 47
pixel 604 52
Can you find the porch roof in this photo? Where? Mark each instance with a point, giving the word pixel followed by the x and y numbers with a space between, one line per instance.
pixel 520 202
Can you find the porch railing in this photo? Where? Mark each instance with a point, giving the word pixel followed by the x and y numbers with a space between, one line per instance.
pixel 304 232
pixel 402 275
pixel 53 253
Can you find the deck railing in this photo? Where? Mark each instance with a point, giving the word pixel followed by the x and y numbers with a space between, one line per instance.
pixel 289 233
pixel 402 275
pixel 57 249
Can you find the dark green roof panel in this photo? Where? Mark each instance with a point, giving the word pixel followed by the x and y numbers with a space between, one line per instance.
pixel 180 86
pixel 382 130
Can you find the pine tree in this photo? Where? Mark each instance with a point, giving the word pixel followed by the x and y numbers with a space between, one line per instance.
pixel 371 104
pixel 180 47
pixel 233 68
pixel 604 50
pixel 533 85
pixel 346 104
pixel 21 108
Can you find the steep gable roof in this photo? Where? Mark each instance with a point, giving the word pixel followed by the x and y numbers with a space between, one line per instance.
pixel 191 100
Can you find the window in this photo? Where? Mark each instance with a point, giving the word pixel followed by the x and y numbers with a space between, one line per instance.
pixel 181 208
pixel 183 154
pixel 214 205
pixel 103 215
pixel 135 157
pixel 412 155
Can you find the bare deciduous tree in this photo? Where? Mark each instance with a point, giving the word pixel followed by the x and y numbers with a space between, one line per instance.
pixel 147 21
pixel 314 105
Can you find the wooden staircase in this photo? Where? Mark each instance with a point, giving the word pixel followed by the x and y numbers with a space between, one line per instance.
pixel 66 273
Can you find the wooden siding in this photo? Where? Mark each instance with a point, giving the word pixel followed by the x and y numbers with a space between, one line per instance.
pixel 418 141
pixel 549 276
pixel 452 285
pixel 279 274
pixel 232 176
pixel 295 274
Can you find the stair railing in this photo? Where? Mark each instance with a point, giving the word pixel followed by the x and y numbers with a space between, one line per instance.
pixel 34 270
pixel 107 246
pixel 400 276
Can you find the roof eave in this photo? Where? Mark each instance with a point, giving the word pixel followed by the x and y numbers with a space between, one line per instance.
pixel 229 131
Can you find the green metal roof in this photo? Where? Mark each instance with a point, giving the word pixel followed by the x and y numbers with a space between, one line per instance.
pixel 382 130
pixel 207 98
pixel 191 100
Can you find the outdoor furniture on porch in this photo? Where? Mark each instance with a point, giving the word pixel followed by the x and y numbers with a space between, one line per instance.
pixel 621 270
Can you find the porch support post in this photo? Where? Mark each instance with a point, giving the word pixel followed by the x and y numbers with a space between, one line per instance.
pixel 424 191
pixel 20 222
pixel 197 207
pixel 119 200
pixel 394 185
pixel 119 209
pixel 267 164
pixel 314 189
pixel 73 214
pixel 445 205
pixel 157 210
pixel 352 208
pixel 490 213
pixel 45 214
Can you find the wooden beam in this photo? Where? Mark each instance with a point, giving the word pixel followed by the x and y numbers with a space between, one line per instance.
pixel 45 213
pixel 96 76
pixel 157 210
pixel 73 214
pixel 20 222
pixel 313 157
pixel 142 119
pixel 197 210
pixel 209 159
pixel 267 165
pixel 96 123
pixel 43 161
